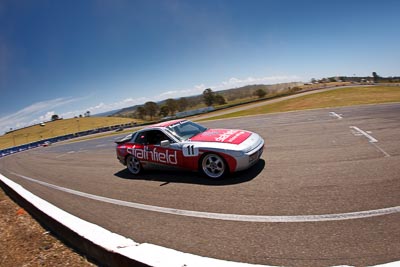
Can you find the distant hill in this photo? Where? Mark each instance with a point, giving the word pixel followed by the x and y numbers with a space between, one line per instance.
pixel 107 114
pixel 125 111
pixel 248 90
pixel 228 94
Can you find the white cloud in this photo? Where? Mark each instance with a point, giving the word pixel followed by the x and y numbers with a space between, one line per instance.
pixel 230 83
pixel 47 116
pixel 237 82
pixel 197 89
pixel 32 114
pixel 127 102
pixel 102 107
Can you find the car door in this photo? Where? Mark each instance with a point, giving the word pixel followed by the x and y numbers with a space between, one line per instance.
pixel 159 156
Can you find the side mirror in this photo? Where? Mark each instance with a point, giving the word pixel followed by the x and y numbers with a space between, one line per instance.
pixel 165 143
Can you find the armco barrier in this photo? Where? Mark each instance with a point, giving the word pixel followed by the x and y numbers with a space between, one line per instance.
pixel 20 148
pixel 100 245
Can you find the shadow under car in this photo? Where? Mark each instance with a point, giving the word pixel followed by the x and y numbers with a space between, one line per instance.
pixel 188 177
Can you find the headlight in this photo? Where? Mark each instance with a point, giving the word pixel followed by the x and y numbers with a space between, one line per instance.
pixel 256 142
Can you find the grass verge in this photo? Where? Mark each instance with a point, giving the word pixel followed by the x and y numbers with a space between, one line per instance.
pixel 24 242
pixel 58 128
pixel 336 98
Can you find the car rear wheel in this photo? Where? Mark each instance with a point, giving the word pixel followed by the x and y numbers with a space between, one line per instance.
pixel 214 166
pixel 133 165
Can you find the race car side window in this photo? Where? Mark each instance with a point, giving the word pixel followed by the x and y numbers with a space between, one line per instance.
pixel 152 137
pixel 155 137
pixel 141 138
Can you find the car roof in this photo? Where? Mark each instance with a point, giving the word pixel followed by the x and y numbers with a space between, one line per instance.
pixel 165 124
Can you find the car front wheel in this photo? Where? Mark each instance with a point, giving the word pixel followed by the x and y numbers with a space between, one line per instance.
pixel 213 166
pixel 133 165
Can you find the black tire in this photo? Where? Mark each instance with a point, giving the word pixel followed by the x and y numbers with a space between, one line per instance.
pixel 133 165
pixel 213 166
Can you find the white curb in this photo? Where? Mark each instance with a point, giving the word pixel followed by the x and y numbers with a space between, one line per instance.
pixel 147 254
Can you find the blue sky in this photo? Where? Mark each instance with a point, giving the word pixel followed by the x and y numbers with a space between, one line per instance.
pixel 67 57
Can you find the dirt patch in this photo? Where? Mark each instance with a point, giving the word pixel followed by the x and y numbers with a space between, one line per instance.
pixel 24 242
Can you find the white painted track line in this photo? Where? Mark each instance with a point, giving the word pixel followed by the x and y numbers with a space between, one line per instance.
pixel 222 216
pixel 370 138
pixel 149 254
pixel 334 114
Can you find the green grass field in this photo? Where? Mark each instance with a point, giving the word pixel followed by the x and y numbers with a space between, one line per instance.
pixel 58 128
pixel 336 98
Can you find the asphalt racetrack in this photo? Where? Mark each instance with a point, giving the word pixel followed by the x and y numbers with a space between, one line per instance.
pixel 325 192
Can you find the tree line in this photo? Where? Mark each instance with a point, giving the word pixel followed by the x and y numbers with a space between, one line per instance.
pixel 375 78
pixel 168 108
pixel 171 106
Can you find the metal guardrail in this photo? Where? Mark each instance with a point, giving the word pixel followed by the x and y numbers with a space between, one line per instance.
pixel 43 142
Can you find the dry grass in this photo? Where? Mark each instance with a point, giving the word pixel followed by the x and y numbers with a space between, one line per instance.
pixel 24 242
pixel 336 98
pixel 58 128
pixel 322 85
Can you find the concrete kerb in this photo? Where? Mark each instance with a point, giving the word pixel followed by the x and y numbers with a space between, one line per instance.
pixel 99 244
pixel 95 242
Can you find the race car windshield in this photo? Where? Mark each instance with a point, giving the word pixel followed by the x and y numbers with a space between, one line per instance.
pixel 185 130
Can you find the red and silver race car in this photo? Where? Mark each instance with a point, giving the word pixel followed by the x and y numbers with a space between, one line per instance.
pixel 188 145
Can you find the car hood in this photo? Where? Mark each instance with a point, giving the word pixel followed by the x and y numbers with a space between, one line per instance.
pixel 229 136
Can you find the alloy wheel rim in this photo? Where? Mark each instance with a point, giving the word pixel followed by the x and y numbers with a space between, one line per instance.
pixel 213 166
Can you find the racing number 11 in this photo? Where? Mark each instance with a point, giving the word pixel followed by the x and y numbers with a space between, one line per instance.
pixel 190 151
